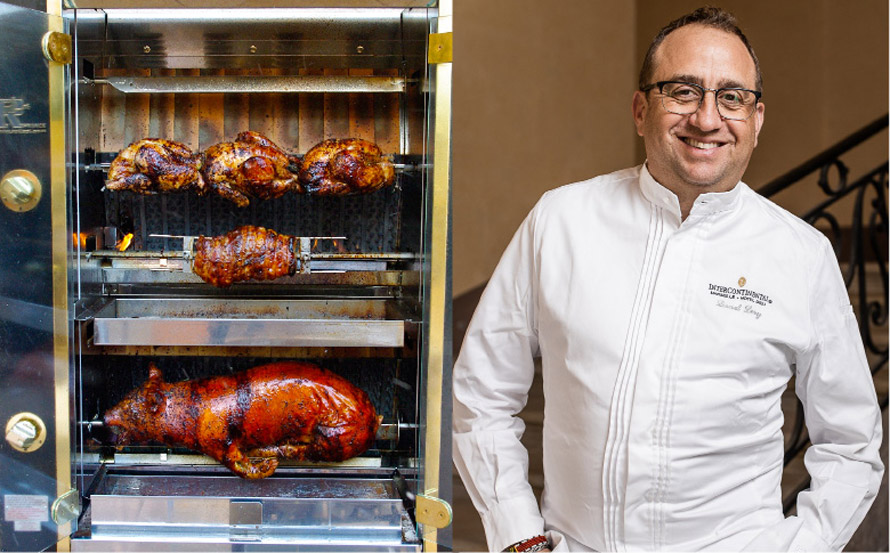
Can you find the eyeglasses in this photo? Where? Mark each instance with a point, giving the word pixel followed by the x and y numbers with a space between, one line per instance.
pixel 682 98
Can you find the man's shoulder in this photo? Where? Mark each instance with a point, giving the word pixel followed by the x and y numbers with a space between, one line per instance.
pixel 783 220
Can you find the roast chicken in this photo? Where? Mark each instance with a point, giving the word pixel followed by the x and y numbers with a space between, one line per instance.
pixel 246 253
pixel 338 167
pixel 156 165
pixel 251 166
pixel 248 420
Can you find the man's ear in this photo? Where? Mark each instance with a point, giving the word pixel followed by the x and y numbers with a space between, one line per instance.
pixel 758 120
pixel 639 107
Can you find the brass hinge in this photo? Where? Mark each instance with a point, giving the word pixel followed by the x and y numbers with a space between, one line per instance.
pixel 66 507
pixel 440 48
pixel 432 511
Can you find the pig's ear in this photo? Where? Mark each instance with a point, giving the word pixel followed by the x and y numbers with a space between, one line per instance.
pixel 154 397
pixel 154 373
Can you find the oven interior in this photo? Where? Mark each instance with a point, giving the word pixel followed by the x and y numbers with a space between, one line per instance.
pixel 355 305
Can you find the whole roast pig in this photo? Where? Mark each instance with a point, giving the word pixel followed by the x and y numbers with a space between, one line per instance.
pixel 248 420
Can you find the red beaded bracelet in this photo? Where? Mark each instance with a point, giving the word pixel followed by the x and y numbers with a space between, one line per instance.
pixel 537 543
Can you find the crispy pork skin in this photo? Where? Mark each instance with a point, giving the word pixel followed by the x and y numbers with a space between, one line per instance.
pixel 246 253
pixel 248 420
pixel 338 167
pixel 251 166
pixel 154 165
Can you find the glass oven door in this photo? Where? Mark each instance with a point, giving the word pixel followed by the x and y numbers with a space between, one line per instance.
pixel 36 500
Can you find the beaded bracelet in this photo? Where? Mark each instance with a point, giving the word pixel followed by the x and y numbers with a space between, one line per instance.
pixel 537 543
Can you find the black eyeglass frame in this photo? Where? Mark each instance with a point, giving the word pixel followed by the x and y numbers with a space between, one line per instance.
pixel 660 85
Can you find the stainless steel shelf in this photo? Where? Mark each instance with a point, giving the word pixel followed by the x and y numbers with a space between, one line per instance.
pixel 363 512
pixel 239 323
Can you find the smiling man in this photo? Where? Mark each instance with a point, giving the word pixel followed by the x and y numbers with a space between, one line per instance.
pixel 670 306
pixel 698 110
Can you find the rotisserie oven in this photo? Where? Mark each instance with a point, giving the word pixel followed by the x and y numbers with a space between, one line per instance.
pixel 225 276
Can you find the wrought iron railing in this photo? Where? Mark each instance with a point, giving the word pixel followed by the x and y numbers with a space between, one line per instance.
pixel 861 248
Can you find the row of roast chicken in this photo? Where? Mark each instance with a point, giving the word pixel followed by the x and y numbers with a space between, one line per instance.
pixel 252 166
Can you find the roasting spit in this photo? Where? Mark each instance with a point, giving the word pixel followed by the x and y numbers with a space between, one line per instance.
pixel 101 282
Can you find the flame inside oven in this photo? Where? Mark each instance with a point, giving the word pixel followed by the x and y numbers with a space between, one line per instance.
pixel 79 239
pixel 124 242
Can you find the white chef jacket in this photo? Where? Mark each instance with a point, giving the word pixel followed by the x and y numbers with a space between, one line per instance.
pixel 665 347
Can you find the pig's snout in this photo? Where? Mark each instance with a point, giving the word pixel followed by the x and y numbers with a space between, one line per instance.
pixel 113 417
pixel 113 431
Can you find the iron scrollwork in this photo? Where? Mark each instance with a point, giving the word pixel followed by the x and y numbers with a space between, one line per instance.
pixel 861 249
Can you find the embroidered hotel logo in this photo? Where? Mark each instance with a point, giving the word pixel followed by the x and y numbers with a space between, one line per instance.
pixel 739 293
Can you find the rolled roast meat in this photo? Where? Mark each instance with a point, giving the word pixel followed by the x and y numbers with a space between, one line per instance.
pixel 248 420
pixel 246 253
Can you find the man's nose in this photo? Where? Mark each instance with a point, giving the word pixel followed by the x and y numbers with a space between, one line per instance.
pixel 706 117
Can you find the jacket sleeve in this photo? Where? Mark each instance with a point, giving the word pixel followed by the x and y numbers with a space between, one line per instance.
pixel 834 383
pixel 492 376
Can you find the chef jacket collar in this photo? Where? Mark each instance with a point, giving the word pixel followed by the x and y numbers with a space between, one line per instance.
pixel 705 204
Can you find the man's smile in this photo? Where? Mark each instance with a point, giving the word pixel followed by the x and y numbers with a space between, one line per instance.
pixel 701 145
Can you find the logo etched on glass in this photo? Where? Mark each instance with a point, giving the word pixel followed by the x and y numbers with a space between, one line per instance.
pixel 13 115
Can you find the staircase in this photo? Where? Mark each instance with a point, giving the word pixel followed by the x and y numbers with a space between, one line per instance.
pixel 862 249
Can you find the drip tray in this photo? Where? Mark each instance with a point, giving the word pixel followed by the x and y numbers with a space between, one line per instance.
pixel 338 512
pixel 233 322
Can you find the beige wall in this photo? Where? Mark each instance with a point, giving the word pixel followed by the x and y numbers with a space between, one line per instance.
pixel 542 94
pixel 541 98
